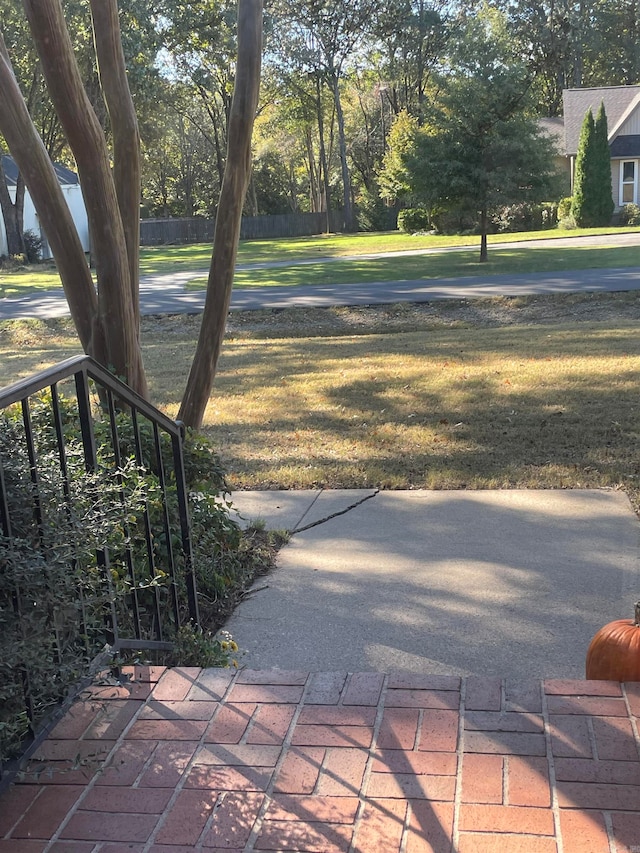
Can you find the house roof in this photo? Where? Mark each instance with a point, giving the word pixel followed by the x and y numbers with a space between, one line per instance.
pixel 618 103
pixel 624 147
pixel 65 176
pixel 553 128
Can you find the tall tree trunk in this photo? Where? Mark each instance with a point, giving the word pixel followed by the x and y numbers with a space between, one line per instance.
pixel 484 224
pixel 15 243
pixel 86 139
pixel 228 219
pixel 323 156
pixel 314 191
pixel 126 137
pixel 19 204
pixel 38 172
pixel 349 218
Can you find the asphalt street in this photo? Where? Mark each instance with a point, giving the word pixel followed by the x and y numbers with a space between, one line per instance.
pixel 165 294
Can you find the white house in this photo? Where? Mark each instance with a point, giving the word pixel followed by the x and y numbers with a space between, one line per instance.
pixel 72 193
pixel 622 106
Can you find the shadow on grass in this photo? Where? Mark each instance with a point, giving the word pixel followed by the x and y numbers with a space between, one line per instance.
pixel 546 406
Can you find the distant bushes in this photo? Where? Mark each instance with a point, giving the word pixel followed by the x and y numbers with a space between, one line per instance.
pixel 629 215
pixel 511 218
pixel 526 217
pixel 413 219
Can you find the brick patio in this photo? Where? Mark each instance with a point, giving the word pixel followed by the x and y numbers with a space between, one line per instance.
pixel 187 759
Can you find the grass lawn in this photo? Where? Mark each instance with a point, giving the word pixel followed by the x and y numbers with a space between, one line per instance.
pixel 547 258
pixel 535 392
pixel 166 259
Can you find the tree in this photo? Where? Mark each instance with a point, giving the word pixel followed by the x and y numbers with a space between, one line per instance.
pixel 108 320
pixel 551 36
pixel 602 166
pixel 412 37
pixel 324 35
pixel 592 203
pixel 396 178
pixel 480 150
pixel 228 220
pixel 12 214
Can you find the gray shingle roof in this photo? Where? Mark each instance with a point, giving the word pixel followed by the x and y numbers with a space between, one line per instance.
pixel 617 100
pixel 626 146
pixel 65 176
pixel 554 129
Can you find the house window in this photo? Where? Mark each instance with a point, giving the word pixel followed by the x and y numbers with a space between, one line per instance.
pixel 629 182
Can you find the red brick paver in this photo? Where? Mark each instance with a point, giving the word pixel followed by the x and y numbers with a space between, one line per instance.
pixel 182 760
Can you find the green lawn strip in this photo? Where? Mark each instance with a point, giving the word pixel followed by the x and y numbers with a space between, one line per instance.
pixel 445 265
pixel 167 259
pixel 173 258
pixel 22 281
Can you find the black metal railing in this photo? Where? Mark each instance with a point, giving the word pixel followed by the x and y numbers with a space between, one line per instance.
pixel 95 547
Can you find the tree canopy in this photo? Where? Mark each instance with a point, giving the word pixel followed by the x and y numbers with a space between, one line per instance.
pixel 480 149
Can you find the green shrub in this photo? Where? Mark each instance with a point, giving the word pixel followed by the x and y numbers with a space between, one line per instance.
pixel 525 217
pixel 564 207
pixel 414 219
pixel 57 600
pixel 457 220
pixel 373 214
pixel 32 246
pixel 629 215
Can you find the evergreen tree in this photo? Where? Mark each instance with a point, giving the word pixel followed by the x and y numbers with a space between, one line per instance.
pixel 582 207
pixel 592 193
pixel 603 189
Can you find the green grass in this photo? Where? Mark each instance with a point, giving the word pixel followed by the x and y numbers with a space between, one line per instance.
pixel 534 392
pixel 167 259
pixel 27 279
pixel 444 265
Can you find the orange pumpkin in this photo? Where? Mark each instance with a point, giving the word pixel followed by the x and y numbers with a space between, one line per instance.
pixel 614 652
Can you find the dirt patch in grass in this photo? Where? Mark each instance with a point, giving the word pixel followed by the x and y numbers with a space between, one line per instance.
pixel 440 314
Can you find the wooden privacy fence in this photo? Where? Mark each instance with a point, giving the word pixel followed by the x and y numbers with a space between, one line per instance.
pixel 196 229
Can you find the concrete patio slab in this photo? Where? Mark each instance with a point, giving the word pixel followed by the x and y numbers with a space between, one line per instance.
pixel 295 510
pixel 490 583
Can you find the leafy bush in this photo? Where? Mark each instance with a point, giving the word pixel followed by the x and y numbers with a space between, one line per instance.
pixel 372 213
pixel 525 217
pixel 456 220
pixel 32 246
pixel 413 219
pixel 564 207
pixel 629 215
pixel 59 595
pixel 56 600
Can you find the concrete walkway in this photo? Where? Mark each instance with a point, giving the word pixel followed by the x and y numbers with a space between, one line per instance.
pixel 485 583
pixel 412 685
pixel 212 760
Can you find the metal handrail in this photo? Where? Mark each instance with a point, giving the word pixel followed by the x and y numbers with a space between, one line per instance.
pixel 121 407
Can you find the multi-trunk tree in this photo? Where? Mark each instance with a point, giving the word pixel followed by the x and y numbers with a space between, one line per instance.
pixel 107 315
pixel 323 37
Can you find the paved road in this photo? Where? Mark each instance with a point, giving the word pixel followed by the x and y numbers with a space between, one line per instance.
pixel 165 294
